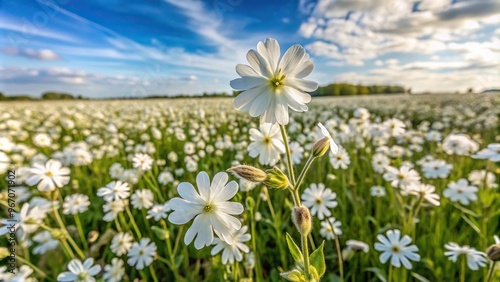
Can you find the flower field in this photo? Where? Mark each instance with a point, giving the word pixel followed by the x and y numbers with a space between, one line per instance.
pixel 107 190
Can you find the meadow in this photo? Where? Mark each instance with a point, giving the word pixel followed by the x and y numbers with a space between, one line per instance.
pixel 97 190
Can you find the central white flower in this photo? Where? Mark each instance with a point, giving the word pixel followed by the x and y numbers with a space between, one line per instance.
pixel 210 209
pixel 272 85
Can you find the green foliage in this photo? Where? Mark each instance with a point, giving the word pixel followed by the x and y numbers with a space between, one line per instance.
pixel 318 260
pixel 294 249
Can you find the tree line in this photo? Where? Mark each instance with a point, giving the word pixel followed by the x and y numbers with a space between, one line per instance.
pixel 335 89
pixel 346 89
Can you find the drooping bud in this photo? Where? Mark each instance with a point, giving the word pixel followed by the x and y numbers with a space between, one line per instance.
pixel 321 147
pixel 301 217
pixel 276 179
pixel 248 172
pixel 493 252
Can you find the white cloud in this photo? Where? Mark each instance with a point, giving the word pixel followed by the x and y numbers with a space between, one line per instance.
pixel 363 29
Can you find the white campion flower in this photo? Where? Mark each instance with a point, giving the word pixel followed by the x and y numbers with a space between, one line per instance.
pixel 210 208
pixel 114 272
pixel 266 143
pixel 272 85
pixel 79 272
pixel 475 258
pixel 461 191
pixel 141 254
pixel 334 149
pixel 48 176
pixel 114 191
pixel 121 243
pixel 397 249
pixel 75 204
pixel 319 199
pixel 232 252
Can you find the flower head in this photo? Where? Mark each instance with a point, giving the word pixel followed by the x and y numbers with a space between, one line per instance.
pixel 475 259
pixel 48 176
pixel 272 85
pixel 397 249
pixel 80 272
pixel 210 208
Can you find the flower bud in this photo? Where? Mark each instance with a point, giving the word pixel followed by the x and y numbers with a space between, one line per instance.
pixel 162 234
pixel 321 147
pixel 276 179
pixel 92 236
pixel 493 252
pixel 301 217
pixel 248 172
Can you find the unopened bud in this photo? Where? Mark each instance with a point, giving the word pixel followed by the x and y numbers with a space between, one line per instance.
pixel 92 236
pixel 493 252
pixel 276 179
pixel 301 217
pixel 321 147
pixel 248 172
pixel 162 234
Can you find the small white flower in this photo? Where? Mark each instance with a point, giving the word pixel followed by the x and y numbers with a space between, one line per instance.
pixel 319 200
pixel 266 143
pixel 377 191
pixel 461 191
pixel 112 209
pixel 114 272
pixel 142 162
pixel 121 243
pixel 330 228
pixel 75 204
pixel 141 254
pixel 142 199
pixel 48 176
pixel 114 191
pixel 232 252
pixel 210 208
pixel 79 272
pixel 397 249
pixel 158 212
pixel 475 259
pixel 402 177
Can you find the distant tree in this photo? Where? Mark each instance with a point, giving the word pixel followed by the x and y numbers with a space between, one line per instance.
pixel 363 90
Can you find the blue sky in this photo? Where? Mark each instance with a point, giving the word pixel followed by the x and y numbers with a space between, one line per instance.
pixel 123 48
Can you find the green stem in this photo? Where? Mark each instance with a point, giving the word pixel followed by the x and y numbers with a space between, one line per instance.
pixel 258 272
pixel 153 274
pixel 80 231
pixel 305 251
pixel 491 271
pixel 462 270
pixel 339 256
pixel 389 276
pixel 304 171
pixel 288 155
pixel 66 233
pixel 132 220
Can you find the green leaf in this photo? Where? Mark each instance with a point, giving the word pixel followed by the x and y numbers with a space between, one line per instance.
pixel 317 259
pixel 294 249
